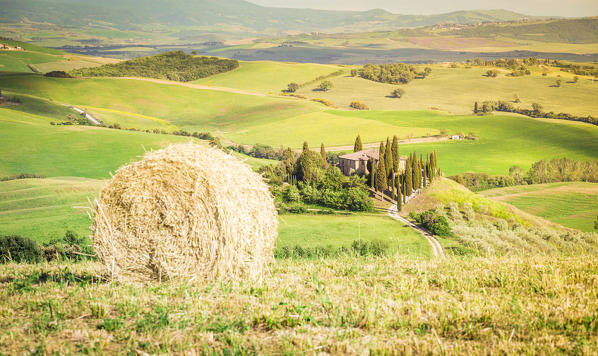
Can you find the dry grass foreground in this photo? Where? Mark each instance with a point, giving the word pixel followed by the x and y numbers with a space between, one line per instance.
pixel 536 305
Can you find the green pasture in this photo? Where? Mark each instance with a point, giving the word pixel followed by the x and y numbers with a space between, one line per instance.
pixel 43 209
pixel 184 107
pixel 340 231
pixel 573 205
pixel 268 77
pixel 504 141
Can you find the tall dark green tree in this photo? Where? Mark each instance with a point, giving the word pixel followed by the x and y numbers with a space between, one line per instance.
pixel 372 173
pixel 382 149
pixel 408 179
pixel 399 195
pixel 395 153
pixel 388 158
pixel 323 154
pixel 358 146
pixel 381 182
pixel 305 146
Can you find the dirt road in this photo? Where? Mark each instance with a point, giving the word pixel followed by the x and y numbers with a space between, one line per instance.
pixel 437 249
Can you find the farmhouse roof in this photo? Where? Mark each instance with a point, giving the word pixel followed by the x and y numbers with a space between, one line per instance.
pixel 362 155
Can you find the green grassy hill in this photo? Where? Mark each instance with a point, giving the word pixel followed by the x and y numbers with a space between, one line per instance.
pixel 268 77
pixel 570 204
pixel 503 140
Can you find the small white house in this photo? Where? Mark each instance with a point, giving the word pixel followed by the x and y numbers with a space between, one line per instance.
pixel 455 137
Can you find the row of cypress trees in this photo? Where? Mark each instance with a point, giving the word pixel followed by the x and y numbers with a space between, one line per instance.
pixel 386 177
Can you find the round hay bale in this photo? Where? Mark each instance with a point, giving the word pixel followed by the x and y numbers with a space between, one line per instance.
pixel 185 212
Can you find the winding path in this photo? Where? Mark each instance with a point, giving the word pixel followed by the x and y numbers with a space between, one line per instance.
pixel 437 249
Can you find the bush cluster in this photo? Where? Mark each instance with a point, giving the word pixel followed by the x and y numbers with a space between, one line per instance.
pixel 555 170
pixel 176 66
pixel 357 248
pixel 358 105
pixel 435 223
pixel 536 111
pixel 21 249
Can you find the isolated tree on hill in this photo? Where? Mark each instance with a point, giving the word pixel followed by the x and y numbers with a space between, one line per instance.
pixel 388 157
pixel 492 73
pixel 427 71
pixel 396 159
pixel 381 183
pixel 323 154
pixel 397 93
pixel 292 87
pixel 325 85
pixel 353 72
pixel 305 146
pixel 558 83
pixel 357 146
pixel 475 107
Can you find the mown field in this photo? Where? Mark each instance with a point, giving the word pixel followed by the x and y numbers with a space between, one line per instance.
pixel 456 89
pixel 573 205
pixel 513 305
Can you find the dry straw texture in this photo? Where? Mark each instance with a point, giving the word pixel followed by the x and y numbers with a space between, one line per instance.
pixel 185 212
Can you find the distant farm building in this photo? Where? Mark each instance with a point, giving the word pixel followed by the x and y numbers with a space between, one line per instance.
pixel 357 162
pixel 455 137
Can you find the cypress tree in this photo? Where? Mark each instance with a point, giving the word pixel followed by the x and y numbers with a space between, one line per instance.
pixel 381 150
pixel 475 108
pixel 413 172
pixel 399 196
pixel 357 146
pixel 388 158
pixel 323 154
pixel 381 183
pixel 408 180
pixel 305 146
pixel 395 153
pixel 372 173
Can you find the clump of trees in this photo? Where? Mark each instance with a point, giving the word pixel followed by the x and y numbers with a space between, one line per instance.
pixel 392 73
pixel 536 111
pixel 308 178
pixel 176 66
pixel 292 87
pixel 555 170
pixel 74 120
pixel 325 85
pixel 387 177
pixel 358 105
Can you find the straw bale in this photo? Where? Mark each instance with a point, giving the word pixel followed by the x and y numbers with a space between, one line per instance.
pixel 185 212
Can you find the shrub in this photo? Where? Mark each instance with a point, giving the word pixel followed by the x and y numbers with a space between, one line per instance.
pixel 58 74
pixel 291 194
pixel 325 102
pixel 358 105
pixel 435 223
pixel 492 73
pixel 19 249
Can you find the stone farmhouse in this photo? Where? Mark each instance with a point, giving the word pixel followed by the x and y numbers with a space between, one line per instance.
pixel 357 162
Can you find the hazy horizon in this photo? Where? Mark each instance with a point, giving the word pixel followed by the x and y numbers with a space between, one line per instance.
pixel 572 8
